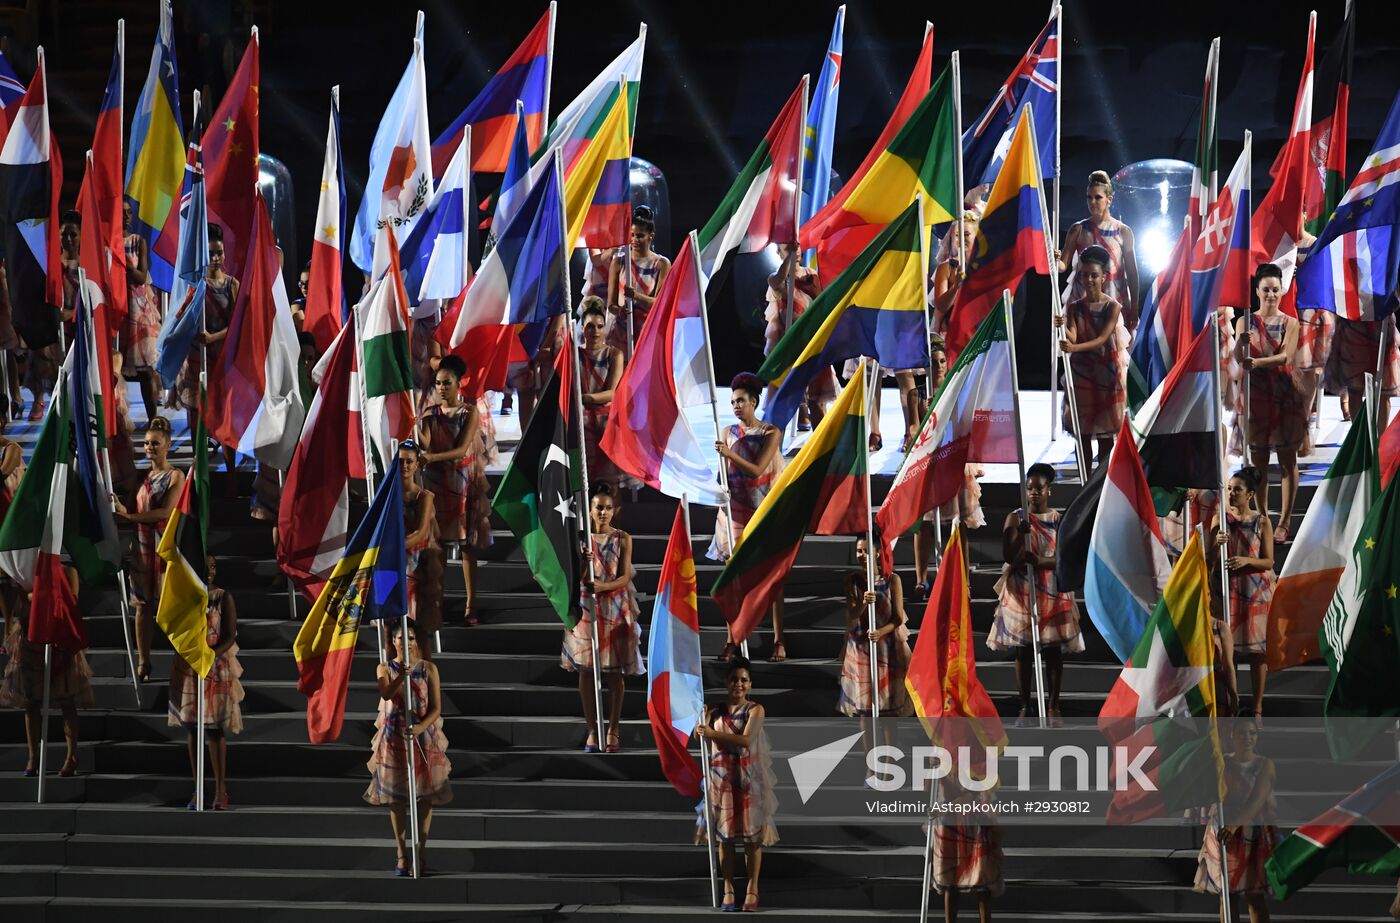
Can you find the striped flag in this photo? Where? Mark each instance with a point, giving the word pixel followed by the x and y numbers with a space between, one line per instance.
pixel 184 546
pixel 434 259
pixel 676 693
pixel 1204 172
pixel 325 293
pixel 598 190
pixel 184 321
pixel 819 132
pixel 1033 84
pixel 388 373
pixel 105 174
pixel 1327 181
pixel 575 128
pixel 11 91
pixel 516 181
pixel 155 158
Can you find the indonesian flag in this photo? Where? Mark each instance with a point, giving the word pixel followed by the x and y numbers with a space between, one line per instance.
pixel 325 293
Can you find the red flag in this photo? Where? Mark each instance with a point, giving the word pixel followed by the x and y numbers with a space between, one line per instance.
pixel 54 617
pixel 231 161
pixel 106 173
pixel 1389 451
pixel 488 351
pixel 95 258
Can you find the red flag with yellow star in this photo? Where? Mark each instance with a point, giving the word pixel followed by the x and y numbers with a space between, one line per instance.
pixel 231 160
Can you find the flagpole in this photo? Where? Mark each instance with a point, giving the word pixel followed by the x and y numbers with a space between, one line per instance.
pixel 199 738
pixel 291 589
pixel 795 255
pixel 366 445
pixel 44 714
pixel 928 854
pixel 937 551
pixel 1026 508
pixel 870 552
pixel 1059 14
pixel 1222 455
pixel 956 64
pixel 704 752
pixel 1380 422
pixel 410 743
pixel 548 70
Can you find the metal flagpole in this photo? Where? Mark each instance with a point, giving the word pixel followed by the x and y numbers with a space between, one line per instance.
pixel 1380 420
pixel 928 855
pixel 44 717
pixel 870 551
pixel 548 65
pixel 1058 12
pixel 1026 507
pixel 410 743
pixel 794 259
pixel 199 738
pixel 370 487
pixel 1222 460
pixel 291 589
pixel 709 821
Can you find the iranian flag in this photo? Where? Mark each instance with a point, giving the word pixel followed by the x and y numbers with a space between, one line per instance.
pixel 761 206
pixel 388 376
pixel 973 420
pixel 1320 550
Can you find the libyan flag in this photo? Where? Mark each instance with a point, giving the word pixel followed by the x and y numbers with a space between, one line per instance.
pixel 536 497
pixel 184 594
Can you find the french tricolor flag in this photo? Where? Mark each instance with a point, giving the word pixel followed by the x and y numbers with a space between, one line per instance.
pixel 676 696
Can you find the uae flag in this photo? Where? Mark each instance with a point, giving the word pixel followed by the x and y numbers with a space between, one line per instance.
pixel 184 546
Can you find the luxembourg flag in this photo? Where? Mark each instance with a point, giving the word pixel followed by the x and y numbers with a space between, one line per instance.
pixel 676 694
pixel 1127 569
pixel 434 257
pixel 325 295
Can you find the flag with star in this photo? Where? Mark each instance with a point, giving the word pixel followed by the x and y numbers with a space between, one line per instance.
pixel 231 162
pixel 1360 635
pixel 537 494
pixel 1159 717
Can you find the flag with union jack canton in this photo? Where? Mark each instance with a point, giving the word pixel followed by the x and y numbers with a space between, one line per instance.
pixel 1035 80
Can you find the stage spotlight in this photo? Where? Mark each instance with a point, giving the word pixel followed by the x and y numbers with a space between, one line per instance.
pixel 1152 197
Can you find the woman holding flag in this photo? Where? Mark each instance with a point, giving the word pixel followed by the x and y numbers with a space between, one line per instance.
pixel 890 634
pixel 1097 363
pixel 1103 230
pixel 1249 832
pixel 220 295
pixel 601 370
pixel 635 281
pixel 805 287
pixel 424 563
pixel 1250 538
pixel 140 333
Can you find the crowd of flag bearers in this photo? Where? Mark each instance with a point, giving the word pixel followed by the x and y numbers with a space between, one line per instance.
pixel 168 274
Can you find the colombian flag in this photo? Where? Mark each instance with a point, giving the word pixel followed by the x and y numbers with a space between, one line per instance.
pixel 598 189
pixel 184 596
pixel 369 582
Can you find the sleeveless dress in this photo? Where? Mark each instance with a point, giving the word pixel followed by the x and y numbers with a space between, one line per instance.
pixel 740 780
pixel 595 366
pixel 620 632
pixel 642 273
pixel 967 854
pixel 388 761
pixel 804 288
pixel 1250 594
pixel 420 352
pixel 1059 613
pixel 222 690
pixel 745 492
pixel 891 653
pixel 597 283
pixel 70 677
pixel 1100 376
pixel 1278 412
pixel 147 568
pixel 140 333
pixel 1355 347
pixel 218 310
pixel 424 568
pixel 1248 851
pixel 460 493
pixel 1108 235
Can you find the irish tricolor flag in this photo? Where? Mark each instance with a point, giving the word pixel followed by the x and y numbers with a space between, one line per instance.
pixel 388 376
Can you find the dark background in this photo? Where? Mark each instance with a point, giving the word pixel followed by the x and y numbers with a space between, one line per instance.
pixel 716 74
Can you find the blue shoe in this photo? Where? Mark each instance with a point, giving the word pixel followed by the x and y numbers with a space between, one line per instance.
pixel 591 744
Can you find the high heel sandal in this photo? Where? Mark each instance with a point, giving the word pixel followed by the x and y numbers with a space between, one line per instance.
pixel 220 802
pixel 401 869
pixel 730 649
pixel 750 900
pixel 728 906
pixel 591 744
pixel 69 769
pixel 876 443
pixel 1281 535
pixel 143 673
pixel 614 743
pixel 779 653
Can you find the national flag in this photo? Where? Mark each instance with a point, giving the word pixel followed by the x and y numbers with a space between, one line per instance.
pixel 1164 330
pixel 574 129
pixel 1010 237
pixel 1204 172
pixel 1164 704
pixel 538 495
pixel 434 259
pixel 761 206
pixel 156 156
pixel 676 693
pixel 819 131
pixel 516 181
pixel 1360 634
pixel 1388 452
pixel 31 175
pixel 1354 265
pixel 1360 834
pixel 822 490
pixel 1328 179
pixel 598 190
pixel 522 281
pixel 254 397
pixel 387 369
pixel 95 261
pixel 1127 569
pixel 874 308
pixel 105 174
pixel 230 146
pixel 400 179
pixel 184 546
pixel 492 118
pixel 368 582
pixel 185 319
pixel 11 91
pixel 920 161
pixel 972 422
pixel 313 518
pixel 1032 84
pixel 648 435
pixel 325 292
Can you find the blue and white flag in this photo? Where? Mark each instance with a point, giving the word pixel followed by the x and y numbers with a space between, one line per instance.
pixel 820 131
pixel 184 320
pixel 1035 81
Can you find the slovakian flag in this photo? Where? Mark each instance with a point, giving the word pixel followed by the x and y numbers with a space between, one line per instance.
pixel 1032 84
pixel 313 517
pixel 369 582
pixel 184 321
pixel 105 175
pixel 1160 715
pixel 433 258
pixel 492 117
pixel 31 175
pixel 819 131
pixel 676 694
pixel 184 546
pixel 254 397
pixel 325 291
pixel 156 156
pixel 1127 568
pixel 516 181
pixel 230 146
pixel 384 318
pixel 761 206
pixel 1010 237
pixel 648 435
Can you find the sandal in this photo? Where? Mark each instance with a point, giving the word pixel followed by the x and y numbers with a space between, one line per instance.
pixel 730 649
pixel 31 771
pixel 591 744
pixel 469 618
pixel 779 653
pixel 614 743
pixel 751 900
pixel 924 589
pixel 36 410
pixel 143 672
pixel 1024 718
pixel 728 905
pixel 221 802
pixel 401 869
pixel 876 443
pixel 1055 719
pixel 1281 535
pixel 70 769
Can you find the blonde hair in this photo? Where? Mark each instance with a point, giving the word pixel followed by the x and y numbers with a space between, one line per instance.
pixel 1101 178
pixel 159 425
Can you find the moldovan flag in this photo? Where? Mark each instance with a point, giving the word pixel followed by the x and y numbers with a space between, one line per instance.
pixel 184 546
pixel 230 148
pixel 1321 548
pixel 1163 705
pixel 369 582
pixel 676 695
pixel 821 491
pixel 325 292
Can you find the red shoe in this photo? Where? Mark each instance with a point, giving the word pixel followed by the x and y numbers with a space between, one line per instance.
pixel 36 410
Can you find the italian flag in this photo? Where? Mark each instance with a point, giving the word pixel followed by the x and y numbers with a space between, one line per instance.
pixel 973 420
pixel 387 373
pixel 1321 548
pixel 761 207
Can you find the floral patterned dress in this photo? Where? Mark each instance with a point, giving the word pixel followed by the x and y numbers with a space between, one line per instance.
pixel 1100 376
pixel 1250 594
pixel 642 273
pixel 147 568
pixel 891 653
pixel 1278 410
pixel 1059 613
pixel 140 333
pixel 70 677
pixel 388 762
pixel 1108 235
pixel 218 311
pixel 745 492
pixel 424 567
pixel 804 288
pixel 1247 852
pixel 461 499
pixel 967 854
pixel 596 366
pixel 1356 345
pixel 740 781
pixel 222 689
pixel 619 631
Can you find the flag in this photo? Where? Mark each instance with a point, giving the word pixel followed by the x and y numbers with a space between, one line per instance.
pixel 11 91
pixel 1388 452
pixel 313 517
pixel 388 372
pixel 155 156
pixel 921 160
pixel 537 496
pixel 434 257
pixel 516 181
pixel 95 259
pixel 184 547
pixel 31 175
pixel 1204 172
pixel 489 123
pixel 1360 834
pixel 521 281
pixel 676 694
pixel 1032 84
pixel 254 398
pixel 1164 703
pixel 1327 180
pixel 108 258
pixel 1010 237
pixel 400 179
pixel 819 131
pixel 761 206
pixel 823 491
pixel 648 435
pixel 325 293
pixel 1360 634
pixel 230 148
pixel 1354 265
pixel 1127 569
pixel 972 422
pixel 1164 330
pixel 574 129
pixel 874 308
pixel 942 678
pixel 368 582
pixel 184 321
pixel 598 190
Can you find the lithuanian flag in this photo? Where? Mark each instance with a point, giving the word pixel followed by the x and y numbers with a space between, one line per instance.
pixel 821 491
pixel 874 308
pixel 184 595
pixel 369 582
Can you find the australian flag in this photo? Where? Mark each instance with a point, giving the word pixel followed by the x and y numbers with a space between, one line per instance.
pixel 1035 80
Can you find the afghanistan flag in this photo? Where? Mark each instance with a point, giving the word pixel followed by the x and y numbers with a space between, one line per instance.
pixel 184 546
